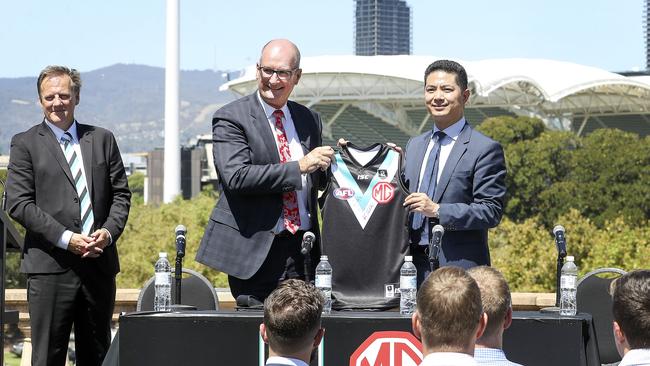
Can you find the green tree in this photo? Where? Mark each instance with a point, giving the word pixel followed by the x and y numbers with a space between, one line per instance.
pixel 533 167
pixel 507 130
pixel 150 230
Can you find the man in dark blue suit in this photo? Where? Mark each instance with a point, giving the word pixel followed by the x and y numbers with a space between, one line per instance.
pixel 457 176
pixel 270 164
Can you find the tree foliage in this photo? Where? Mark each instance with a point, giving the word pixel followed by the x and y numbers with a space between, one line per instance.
pixel 604 175
pixel 525 252
pixel 150 230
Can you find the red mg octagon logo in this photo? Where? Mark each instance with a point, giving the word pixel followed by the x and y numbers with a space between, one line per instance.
pixel 388 349
pixel 383 192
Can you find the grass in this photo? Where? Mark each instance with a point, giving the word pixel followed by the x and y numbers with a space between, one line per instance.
pixel 11 359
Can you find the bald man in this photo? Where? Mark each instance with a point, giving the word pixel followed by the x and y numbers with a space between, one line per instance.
pixel 268 154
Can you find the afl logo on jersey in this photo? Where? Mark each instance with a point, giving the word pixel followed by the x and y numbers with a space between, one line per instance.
pixel 383 192
pixel 343 193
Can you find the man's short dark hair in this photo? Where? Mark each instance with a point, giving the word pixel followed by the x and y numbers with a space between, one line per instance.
pixel 495 296
pixel 631 307
pixel 451 67
pixel 449 308
pixel 292 316
pixel 55 70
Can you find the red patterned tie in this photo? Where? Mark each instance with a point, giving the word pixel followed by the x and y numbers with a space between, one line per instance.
pixel 290 210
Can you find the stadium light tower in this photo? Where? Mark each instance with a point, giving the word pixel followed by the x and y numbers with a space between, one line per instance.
pixel 172 155
pixel 646 30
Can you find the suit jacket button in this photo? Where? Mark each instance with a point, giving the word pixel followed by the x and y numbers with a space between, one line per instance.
pixel 76 200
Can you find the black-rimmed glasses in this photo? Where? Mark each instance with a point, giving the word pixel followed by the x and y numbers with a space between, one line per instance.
pixel 283 75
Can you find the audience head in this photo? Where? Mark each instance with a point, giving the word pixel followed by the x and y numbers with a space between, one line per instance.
pixel 631 309
pixel 292 319
pixel 497 303
pixel 449 315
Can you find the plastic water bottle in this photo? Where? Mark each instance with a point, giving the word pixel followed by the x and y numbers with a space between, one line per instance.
pixel 163 284
pixel 568 304
pixel 324 282
pixel 408 278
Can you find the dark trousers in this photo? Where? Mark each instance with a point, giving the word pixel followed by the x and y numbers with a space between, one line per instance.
pixel 284 261
pixel 84 298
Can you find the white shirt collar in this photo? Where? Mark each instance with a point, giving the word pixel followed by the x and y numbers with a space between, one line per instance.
pixel 277 360
pixel 452 131
pixel 448 358
pixel 269 109
pixel 639 356
pixel 59 132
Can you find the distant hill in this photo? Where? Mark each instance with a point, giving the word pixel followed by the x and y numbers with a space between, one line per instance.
pixel 127 99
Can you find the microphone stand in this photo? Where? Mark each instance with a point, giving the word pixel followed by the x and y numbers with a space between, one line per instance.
pixel 434 249
pixel 178 276
pixel 307 266
pixel 558 274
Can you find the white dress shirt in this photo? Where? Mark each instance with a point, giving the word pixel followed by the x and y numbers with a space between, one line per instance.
pixel 448 359
pixel 492 357
pixel 58 133
pixel 295 147
pixel 447 143
pixel 636 357
pixel 284 361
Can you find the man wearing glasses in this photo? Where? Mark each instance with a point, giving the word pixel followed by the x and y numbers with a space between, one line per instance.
pixel 270 164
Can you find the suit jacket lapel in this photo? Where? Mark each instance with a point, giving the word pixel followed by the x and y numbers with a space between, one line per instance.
pixel 454 157
pixel 418 159
pixel 85 137
pixel 262 122
pixel 49 141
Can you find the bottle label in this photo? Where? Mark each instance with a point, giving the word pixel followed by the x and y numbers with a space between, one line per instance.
pixel 162 278
pixel 323 281
pixel 408 282
pixel 567 281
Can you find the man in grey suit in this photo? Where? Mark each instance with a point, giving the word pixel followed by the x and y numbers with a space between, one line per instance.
pixel 270 164
pixel 457 176
pixel 292 323
pixel 67 186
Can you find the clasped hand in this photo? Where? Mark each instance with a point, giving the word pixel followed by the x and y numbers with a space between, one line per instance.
pixel 91 246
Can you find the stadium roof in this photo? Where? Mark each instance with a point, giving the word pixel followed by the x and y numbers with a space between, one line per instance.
pixel 544 88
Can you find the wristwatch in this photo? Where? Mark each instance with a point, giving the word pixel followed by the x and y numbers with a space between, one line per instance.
pixel 436 213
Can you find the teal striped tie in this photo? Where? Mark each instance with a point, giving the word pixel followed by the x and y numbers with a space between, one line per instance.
pixel 75 162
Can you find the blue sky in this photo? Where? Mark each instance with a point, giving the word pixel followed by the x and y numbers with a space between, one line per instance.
pixel 227 35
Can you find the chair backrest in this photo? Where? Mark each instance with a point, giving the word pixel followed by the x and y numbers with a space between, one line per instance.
pixel 593 297
pixel 196 291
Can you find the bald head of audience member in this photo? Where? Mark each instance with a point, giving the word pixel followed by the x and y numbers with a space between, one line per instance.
pixel 292 320
pixel 449 315
pixel 497 304
pixel 631 310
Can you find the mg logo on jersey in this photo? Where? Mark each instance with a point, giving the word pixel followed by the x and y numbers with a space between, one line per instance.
pixel 344 193
pixel 383 192
pixel 388 349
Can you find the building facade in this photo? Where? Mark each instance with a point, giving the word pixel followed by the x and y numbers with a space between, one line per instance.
pixel 382 27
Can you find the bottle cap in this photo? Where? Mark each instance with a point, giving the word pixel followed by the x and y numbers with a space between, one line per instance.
pixel 162 254
pixel 408 258
pixel 570 258
pixel 323 257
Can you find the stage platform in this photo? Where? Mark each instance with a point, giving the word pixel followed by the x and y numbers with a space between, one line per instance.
pixel 232 338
